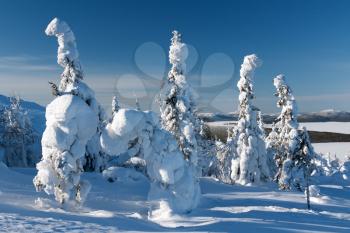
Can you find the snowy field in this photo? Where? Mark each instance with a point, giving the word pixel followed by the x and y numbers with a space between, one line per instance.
pixel 334 127
pixel 122 207
pixel 340 149
pixel 331 126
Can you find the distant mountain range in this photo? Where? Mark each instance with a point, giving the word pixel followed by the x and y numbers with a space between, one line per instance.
pixel 37 115
pixel 322 116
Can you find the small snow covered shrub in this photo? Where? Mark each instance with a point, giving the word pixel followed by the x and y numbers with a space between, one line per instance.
pixel 17 136
pixel 115 105
pixel 314 191
pixel 249 166
pixel 173 183
pixel 72 120
pixel 345 169
pixel 325 165
pixel 224 155
pixel 292 147
pixel 122 174
pixel 272 146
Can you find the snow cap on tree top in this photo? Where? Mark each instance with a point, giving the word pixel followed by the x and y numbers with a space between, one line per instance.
pixel 279 80
pixel 178 51
pixel 56 27
pixel 249 64
pixel 67 48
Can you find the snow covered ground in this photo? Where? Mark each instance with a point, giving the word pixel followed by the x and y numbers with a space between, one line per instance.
pixel 334 127
pixel 122 207
pixel 331 126
pixel 340 149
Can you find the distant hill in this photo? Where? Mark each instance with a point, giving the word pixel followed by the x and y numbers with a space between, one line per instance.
pixel 322 116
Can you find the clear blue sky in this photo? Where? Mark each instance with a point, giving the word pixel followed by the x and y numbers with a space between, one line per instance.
pixel 308 41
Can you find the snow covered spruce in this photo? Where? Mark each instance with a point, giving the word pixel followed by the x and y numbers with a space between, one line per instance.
pixel 291 148
pixel 18 139
pixel 136 134
pixel 178 110
pixel 176 101
pixel 72 121
pixel 249 166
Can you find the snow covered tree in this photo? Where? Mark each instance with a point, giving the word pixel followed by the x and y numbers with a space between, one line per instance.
pixel 176 101
pixel 115 105
pixel 72 119
pixel 250 164
pixel 174 186
pixel 18 137
pixel 137 104
pixel 294 152
pixel 222 167
pixel 272 146
pixel 345 169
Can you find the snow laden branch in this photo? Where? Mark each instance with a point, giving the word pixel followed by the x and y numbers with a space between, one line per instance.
pixel 250 164
pixel 72 120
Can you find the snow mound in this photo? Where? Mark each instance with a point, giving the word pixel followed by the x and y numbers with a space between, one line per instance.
pixel 122 174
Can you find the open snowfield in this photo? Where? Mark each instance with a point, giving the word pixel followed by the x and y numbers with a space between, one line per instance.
pixel 122 207
pixel 340 149
pixel 331 126
pixel 334 127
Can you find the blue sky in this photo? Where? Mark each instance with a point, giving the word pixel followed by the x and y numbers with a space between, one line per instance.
pixel 124 43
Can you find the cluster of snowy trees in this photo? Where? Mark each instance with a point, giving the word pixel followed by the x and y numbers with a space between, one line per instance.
pixel 172 150
pixel 17 136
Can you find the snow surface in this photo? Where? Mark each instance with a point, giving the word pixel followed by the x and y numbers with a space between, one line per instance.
pixel 122 207
pixel 331 126
pixel 334 127
pixel 340 149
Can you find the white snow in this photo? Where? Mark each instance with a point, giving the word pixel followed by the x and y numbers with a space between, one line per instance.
pixel 249 163
pixel 66 41
pixel 123 206
pixel 330 126
pixel 70 123
pixel 334 127
pixel 340 149
pixel 174 186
